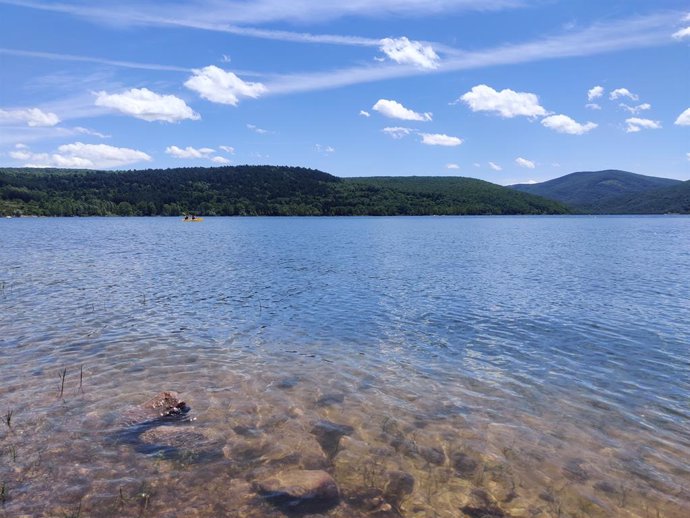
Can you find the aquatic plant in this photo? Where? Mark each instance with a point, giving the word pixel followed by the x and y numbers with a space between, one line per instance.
pixel 8 417
pixel 62 376
pixel 3 493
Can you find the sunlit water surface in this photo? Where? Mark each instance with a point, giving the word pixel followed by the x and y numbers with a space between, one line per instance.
pixel 514 366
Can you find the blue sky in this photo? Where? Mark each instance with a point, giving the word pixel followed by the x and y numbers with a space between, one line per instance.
pixel 503 90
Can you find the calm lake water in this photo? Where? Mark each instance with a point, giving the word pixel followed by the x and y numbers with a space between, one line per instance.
pixel 513 366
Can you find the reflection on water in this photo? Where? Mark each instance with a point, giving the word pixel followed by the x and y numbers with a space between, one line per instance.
pixel 433 366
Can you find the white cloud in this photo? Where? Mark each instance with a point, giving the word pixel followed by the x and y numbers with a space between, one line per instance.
pixel 439 139
pixel 228 149
pixel 326 150
pixel 395 110
pixel 636 124
pixel 564 124
pixel 452 166
pixel 216 85
pixel 189 152
pixel 593 106
pixel 146 105
pixel 19 145
pixel 681 34
pixel 507 103
pixel 406 52
pixel 87 131
pixel 623 92
pixel 635 109
pixel 595 93
pixel 477 165
pixel 220 160
pixel 495 167
pixel 34 117
pixel 80 155
pixel 364 113
pixel 258 130
pixel 523 162
pixel 684 118
pixel 396 132
pixel 687 155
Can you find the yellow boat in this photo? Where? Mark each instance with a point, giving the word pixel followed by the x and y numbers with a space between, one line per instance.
pixel 192 220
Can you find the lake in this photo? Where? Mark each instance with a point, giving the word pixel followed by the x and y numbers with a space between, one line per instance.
pixel 508 366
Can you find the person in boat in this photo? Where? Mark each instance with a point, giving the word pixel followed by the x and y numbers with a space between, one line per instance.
pixel 186 217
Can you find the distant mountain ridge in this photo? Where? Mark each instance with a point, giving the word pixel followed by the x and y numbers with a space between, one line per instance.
pixel 253 191
pixel 600 191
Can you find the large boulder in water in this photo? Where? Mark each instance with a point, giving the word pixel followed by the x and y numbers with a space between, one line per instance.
pixel 298 486
pixel 162 405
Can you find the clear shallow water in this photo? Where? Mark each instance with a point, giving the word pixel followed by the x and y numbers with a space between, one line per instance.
pixel 538 365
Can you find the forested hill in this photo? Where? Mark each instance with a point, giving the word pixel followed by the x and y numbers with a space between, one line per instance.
pixel 598 191
pixel 251 190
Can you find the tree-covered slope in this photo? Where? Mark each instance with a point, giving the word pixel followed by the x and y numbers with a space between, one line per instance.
pixel 590 191
pixel 670 200
pixel 251 190
pixel 464 195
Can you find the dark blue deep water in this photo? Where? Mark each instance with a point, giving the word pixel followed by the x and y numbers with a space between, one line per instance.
pixel 554 352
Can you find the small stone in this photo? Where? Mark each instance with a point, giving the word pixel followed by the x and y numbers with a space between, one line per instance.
pixel 433 455
pixel 574 471
pixel 328 435
pixel 297 486
pixel 605 487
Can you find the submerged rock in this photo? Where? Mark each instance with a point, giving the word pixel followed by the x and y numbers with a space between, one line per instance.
pixel 464 465
pixel 330 399
pixel 297 487
pixel 328 435
pixel 574 471
pixel 163 405
pixel 173 436
pixel 400 485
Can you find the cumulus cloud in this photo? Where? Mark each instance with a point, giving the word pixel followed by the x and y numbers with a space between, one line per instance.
pixel 439 139
pixel 189 152
pixel 216 85
pixel 684 118
pixel 595 93
pixel 636 124
pixel 593 106
pixel 363 113
pixel 523 162
pixel 34 117
pixel 220 160
pixel 507 103
pixel 396 132
pixel 395 110
pixel 406 52
pixel 146 105
pixel 681 34
pixel 80 155
pixel 227 149
pixel 635 109
pixel 495 166
pixel 452 166
pixel 623 92
pixel 564 124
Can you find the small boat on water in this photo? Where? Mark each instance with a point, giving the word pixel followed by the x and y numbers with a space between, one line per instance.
pixel 192 219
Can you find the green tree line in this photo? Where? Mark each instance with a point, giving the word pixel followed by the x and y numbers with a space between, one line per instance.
pixel 251 191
